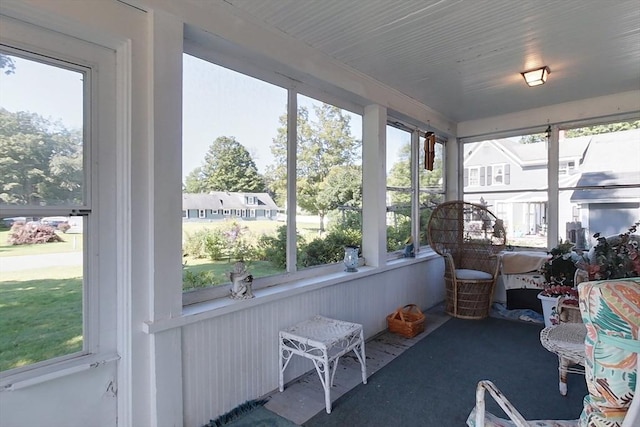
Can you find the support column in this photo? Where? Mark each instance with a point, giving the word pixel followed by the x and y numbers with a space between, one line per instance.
pixel 374 166
pixel 165 172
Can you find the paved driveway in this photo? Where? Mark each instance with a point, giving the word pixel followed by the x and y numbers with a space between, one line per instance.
pixel 25 262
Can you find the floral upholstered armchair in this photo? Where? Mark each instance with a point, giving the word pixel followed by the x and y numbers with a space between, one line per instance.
pixel 611 312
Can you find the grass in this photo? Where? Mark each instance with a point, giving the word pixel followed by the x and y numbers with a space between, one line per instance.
pixel 40 315
pixel 41 308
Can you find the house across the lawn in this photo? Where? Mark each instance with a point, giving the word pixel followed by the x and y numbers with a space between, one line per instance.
pixel 219 205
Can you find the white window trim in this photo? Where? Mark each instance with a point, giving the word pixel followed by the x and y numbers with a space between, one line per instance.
pixel 101 274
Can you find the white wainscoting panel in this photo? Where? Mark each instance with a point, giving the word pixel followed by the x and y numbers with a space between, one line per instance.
pixel 233 358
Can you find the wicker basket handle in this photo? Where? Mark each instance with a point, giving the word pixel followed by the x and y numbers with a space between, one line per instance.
pixel 408 308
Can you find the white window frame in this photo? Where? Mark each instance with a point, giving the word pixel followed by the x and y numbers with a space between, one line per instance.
pixel 202 213
pixel 185 213
pixel 294 87
pixel 100 276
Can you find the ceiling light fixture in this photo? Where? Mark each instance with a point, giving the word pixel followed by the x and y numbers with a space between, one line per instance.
pixel 536 77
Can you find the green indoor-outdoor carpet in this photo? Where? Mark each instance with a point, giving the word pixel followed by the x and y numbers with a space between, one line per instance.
pixel 433 383
pixel 250 414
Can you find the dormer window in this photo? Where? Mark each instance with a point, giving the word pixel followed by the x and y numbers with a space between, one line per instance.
pixel 252 200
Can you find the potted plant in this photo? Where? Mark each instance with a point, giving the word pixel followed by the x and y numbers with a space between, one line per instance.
pixel 614 257
pixel 559 272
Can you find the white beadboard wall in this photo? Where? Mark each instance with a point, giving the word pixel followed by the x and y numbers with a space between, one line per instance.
pixel 230 359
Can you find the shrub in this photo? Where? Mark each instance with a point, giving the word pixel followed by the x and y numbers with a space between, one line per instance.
pixel 195 244
pixel 329 249
pixel 274 248
pixel 214 245
pixel 397 236
pixel 202 279
pixel 28 234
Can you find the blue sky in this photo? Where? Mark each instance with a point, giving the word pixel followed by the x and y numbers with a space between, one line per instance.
pixel 216 102
pixel 52 92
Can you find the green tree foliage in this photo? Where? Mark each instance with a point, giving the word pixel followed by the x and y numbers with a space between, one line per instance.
pixel 227 166
pixel 596 130
pixel 533 138
pixel 276 173
pixel 590 130
pixel 194 182
pixel 342 187
pixel 40 161
pixel 6 64
pixel 323 144
pixel 400 178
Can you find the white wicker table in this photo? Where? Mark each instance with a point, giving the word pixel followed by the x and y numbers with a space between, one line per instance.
pixel 322 340
pixel 567 341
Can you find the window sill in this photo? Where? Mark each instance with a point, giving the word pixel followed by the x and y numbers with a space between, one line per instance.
pixel 222 306
pixel 53 371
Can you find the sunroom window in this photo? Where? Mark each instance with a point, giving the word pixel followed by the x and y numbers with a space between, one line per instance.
pixel 44 210
pixel 414 186
pixel 515 185
pixel 329 182
pixel 602 194
pixel 399 193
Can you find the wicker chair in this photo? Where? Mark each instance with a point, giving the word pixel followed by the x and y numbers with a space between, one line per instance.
pixel 470 238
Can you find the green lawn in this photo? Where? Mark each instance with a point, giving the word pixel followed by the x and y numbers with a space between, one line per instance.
pixel 40 315
pixel 41 308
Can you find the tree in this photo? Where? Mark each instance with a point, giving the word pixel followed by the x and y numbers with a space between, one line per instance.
pixel 6 64
pixel 194 182
pixel 321 145
pixel 40 162
pixel 596 130
pixel 533 138
pixel 228 166
pixel 342 187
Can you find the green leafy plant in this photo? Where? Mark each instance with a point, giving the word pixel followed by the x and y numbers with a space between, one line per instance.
pixel 615 257
pixel 560 268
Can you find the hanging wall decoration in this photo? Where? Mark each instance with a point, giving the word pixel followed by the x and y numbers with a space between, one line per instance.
pixel 429 150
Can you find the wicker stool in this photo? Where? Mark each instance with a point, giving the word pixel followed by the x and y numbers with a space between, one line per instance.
pixel 322 340
pixel 567 341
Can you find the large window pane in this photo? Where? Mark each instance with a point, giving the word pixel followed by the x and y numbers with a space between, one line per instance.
pixel 509 176
pixel 329 182
pixel 398 188
pixel 599 178
pixel 234 167
pixel 41 134
pixel 431 184
pixel 42 178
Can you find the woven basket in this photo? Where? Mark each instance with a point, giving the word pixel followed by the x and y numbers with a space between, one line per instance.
pixel 407 321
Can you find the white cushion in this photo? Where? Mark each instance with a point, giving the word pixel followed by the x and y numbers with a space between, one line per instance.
pixel 465 274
